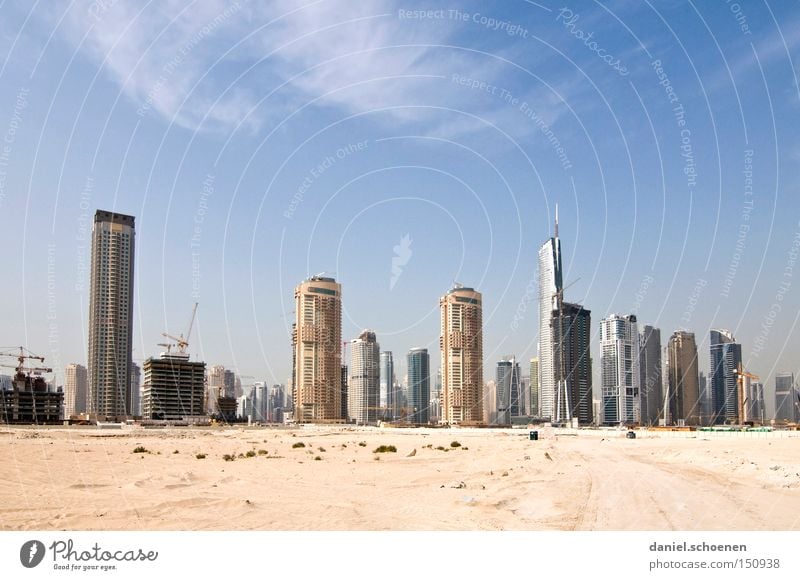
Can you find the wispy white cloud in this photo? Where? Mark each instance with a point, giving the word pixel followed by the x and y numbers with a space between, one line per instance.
pixel 181 61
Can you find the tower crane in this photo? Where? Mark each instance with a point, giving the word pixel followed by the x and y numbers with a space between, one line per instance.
pixel 180 342
pixel 24 374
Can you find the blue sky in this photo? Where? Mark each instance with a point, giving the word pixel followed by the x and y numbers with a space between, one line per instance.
pixel 258 144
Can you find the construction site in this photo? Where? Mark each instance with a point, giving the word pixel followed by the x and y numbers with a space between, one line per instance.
pixel 29 401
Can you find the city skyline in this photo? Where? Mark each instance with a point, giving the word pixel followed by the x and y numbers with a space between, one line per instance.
pixel 444 144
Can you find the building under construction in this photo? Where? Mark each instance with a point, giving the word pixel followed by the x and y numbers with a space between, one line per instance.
pixel 173 388
pixel 29 401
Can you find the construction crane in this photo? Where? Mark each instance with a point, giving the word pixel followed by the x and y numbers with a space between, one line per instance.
pixel 180 342
pixel 24 373
pixel 740 376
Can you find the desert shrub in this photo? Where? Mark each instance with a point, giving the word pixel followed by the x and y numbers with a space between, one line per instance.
pixel 262 451
pixel 140 449
pixel 386 449
pixel 362 443
pixel 318 458
pixel 298 445
pixel 455 444
pixel 250 453
pixel 200 456
pixel 228 457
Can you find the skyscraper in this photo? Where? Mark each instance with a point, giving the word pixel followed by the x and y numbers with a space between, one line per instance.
pixel 363 388
pixel 461 346
pixel 726 359
pixel 507 383
pixel 74 390
pixel 111 315
pixel 387 384
pixel 419 385
pixel 317 346
pixel 135 407
pixel 619 344
pixel 651 400
pixel 571 336
pixel 535 387
pixel 550 290
pixel 787 399
pixel 683 385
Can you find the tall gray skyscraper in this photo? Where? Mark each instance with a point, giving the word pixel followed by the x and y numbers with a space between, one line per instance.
pixel 419 385
pixel 683 387
pixel 571 336
pixel 74 390
pixel 387 384
pixel 726 360
pixel 363 388
pixel 507 388
pixel 619 344
pixel 651 400
pixel 550 289
pixel 111 315
pixel 787 399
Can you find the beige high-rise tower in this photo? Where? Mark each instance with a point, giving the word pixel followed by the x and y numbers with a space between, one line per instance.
pixel 111 315
pixel 74 390
pixel 317 345
pixel 461 345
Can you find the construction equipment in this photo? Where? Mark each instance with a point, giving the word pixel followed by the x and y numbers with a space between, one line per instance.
pixel 740 376
pixel 24 374
pixel 29 401
pixel 180 342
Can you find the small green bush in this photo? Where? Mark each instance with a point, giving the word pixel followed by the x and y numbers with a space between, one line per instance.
pixel 362 443
pixel 250 453
pixel 298 445
pixel 201 456
pixel 318 458
pixel 262 451
pixel 455 444
pixel 140 449
pixel 228 457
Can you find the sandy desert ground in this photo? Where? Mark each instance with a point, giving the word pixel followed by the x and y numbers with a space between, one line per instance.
pixel 89 479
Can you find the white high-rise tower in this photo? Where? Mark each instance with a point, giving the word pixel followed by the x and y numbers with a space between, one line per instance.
pixel 550 287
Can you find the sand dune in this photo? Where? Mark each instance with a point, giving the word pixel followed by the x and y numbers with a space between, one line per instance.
pixel 87 479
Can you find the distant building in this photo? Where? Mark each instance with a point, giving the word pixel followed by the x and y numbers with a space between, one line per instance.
pixel 726 359
pixel 683 391
pixel 706 402
pixel 619 345
pixel 787 399
pixel 317 351
pixel 6 382
pixel 571 337
pixel 344 389
pixel 651 399
pixel 363 387
pixel 419 385
pixel 461 347
pixel 173 388
pixel 507 382
pixel 754 403
pixel 75 390
pixel 535 388
pixel 111 315
pixel 135 406
pixel 387 399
